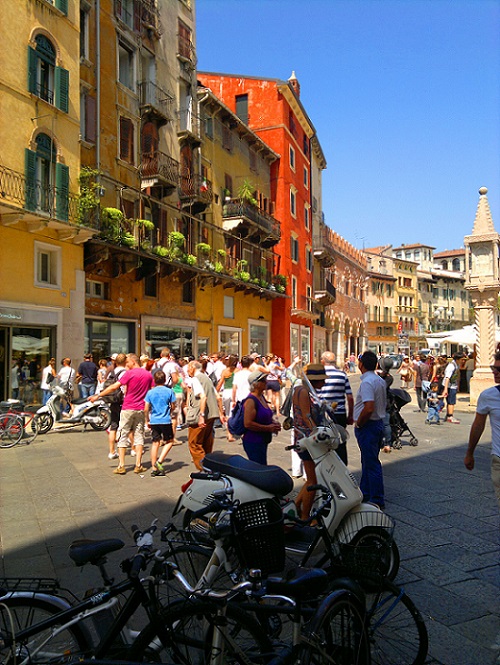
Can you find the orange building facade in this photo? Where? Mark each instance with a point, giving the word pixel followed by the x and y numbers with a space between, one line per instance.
pixel 272 109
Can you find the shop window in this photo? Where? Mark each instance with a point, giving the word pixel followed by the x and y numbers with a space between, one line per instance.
pixel 45 80
pixel 47 265
pixel 259 338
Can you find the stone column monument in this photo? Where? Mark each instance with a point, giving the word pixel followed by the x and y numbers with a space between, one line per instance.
pixel 482 280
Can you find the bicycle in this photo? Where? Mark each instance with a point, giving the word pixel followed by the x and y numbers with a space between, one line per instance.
pixel 396 630
pixel 39 625
pixel 17 426
pixel 209 626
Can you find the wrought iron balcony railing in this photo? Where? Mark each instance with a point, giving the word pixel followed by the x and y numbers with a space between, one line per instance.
pixel 156 99
pixel 195 187
pixel 159 168
pixel 43 201
pixel 236 212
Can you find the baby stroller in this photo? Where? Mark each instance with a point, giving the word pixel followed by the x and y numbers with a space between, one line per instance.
pixel 396 399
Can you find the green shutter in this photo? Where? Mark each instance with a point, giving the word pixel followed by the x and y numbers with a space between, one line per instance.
pixel 32 62
pixel 62 5
pixel 30 180
pixel 62 192
pixel 62 88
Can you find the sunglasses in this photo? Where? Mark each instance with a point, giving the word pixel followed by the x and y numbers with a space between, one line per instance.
pixel 494 368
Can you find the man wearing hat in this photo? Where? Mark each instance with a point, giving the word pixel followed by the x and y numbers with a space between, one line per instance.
pixel 306 417
pixel 369 413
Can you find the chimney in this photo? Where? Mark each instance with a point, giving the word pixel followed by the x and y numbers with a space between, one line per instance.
pixel 295 84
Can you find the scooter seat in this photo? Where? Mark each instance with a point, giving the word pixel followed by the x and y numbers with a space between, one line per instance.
pixel 80 400
pixel 270 478
pixel 301 583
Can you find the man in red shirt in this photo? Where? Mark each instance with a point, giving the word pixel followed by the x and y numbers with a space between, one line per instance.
pixel 137 382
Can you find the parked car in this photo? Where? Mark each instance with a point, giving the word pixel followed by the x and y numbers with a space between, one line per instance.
pixel 397 359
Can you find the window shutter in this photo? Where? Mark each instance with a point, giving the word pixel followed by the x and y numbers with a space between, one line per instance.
pixel 90 119
pixel 126 140
pixel 62 192
pixel 62 88
pixel 32 62
pixel 30 179
pixel 62 5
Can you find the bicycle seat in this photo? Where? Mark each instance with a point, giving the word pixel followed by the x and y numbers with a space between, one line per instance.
pixel 270 478
pixel 299 584
pixel 90 551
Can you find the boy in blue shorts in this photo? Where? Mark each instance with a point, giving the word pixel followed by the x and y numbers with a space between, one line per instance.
pixel 158 409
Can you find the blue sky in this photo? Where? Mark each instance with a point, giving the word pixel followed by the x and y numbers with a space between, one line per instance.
pixel 404 95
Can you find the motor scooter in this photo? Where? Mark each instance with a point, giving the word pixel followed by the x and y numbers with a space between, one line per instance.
pixel 349 520
pixel 96 414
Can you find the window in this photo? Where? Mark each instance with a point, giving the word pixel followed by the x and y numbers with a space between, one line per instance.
pixel 88 120
pixel 309 299
pixel 227 138
pixel 47 182
pixel 151 285
pixel 47 265
pixel 242 108
pixel 126 65
pixel 294 248
pixel 306 178
pixel 128 12
pixel 184 41
pixel 209 127
pixel 259 335
pixel 293 202
pixel 307 217
pixel 292 158
pixel 228 307
pixel 188 292
pixel 45 80
pixel 456 264
pixel 309 259
pixel 294 292
pixel 84 33
pixel 127 140
pixel 94 289
pixel 306 146
pixel 253 161
pixel 228 185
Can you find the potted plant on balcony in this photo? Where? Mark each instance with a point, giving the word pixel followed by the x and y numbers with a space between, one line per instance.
pixel 112 221
pixel 280 282
pixel 246 193
pixel 240 272
pixel 176 242
pixel 89 198
pixel 203 250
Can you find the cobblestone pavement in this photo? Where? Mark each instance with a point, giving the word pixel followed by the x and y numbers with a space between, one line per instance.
pixel 62 487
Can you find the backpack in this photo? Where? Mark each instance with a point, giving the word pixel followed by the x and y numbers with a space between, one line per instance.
pixel 116 397
pixel 236 421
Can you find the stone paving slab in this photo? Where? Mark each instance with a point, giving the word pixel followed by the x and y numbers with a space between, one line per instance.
pixel 62 487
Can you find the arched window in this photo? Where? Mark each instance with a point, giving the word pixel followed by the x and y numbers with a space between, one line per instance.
pixel 45 80
pixel 444 265
pixel 47 182
pixel 456 265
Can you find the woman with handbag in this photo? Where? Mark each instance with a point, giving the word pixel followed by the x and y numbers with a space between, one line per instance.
pixel 260 424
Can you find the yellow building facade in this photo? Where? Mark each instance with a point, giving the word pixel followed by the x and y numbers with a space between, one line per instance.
pixel 41 234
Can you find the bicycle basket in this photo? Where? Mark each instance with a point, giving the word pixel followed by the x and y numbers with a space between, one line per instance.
pixel 365 544
pixel 260 535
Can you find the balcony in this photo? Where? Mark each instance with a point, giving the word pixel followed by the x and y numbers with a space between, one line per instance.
pixel 306 308
pixel 155 102
pixel 188 127
pixel 195 192
pixel 323 249
pixel 248 221
pixel 159 170
pixel 41 206
pixel 326 295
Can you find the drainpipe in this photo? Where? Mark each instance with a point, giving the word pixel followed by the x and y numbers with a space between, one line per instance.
pixel 98 82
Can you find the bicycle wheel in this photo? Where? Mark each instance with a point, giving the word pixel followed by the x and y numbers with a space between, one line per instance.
pixel 184 633
pixel 396 629
pixel 336 634
pixel 31 428
pixel 11 430
pixel 47 646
